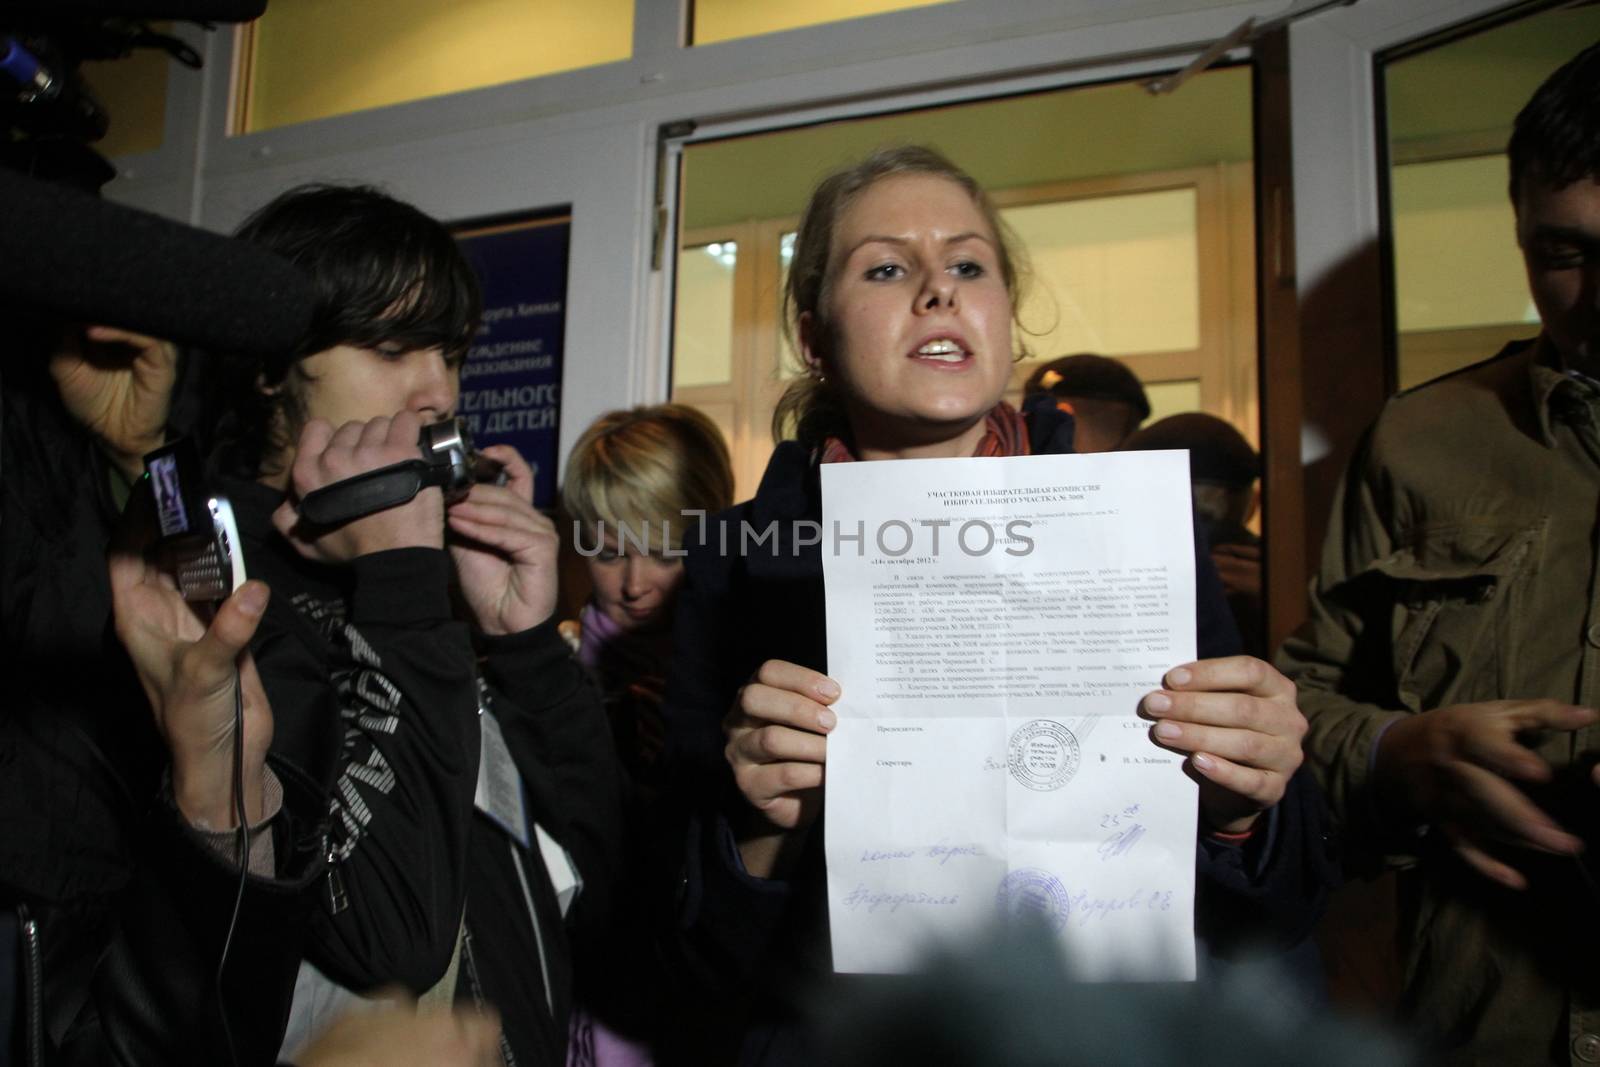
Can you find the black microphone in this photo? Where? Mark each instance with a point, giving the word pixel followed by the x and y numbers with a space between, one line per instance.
pixel 66 252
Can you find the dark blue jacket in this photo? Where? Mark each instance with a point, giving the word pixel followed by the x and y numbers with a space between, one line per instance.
pixel 758 949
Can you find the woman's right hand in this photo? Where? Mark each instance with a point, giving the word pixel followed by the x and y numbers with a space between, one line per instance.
pixel 777 745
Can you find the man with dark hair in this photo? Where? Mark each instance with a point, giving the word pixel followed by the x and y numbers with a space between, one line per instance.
pixel 1450 668
pixel 388 279
pixel 410 655
pixel 1223 470
pixel 1103 396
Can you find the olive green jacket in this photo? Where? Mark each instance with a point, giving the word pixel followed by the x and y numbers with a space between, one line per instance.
pixel 1460 567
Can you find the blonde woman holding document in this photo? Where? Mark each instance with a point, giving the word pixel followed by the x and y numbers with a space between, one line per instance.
pixel 902 294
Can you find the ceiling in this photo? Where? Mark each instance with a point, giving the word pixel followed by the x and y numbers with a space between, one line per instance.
pixel 1024 140
pixel 1476 86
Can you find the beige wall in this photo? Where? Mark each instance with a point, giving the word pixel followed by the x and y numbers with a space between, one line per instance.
pixel 725 20
pixel 315 58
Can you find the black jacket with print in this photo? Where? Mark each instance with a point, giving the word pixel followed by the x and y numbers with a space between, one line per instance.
pixel 374 689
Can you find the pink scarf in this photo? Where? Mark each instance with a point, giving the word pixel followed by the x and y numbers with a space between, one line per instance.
pixel 1005 434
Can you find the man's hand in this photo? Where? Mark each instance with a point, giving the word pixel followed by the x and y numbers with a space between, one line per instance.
pixel 504 550
pixel 187 672
pixel 118 385
pixel 1454 767
pixel 777 746
pixel 325 455
pixel 402 1036
pixel 1239 567
pixel 1238 718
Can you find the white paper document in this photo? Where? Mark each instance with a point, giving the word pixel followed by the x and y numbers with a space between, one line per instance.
pixel 993 624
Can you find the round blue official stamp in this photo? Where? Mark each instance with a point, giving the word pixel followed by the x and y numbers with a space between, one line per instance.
pixel 1042 755
pixel 1029 893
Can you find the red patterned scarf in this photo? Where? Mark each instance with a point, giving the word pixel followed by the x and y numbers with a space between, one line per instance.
pixel 1004 434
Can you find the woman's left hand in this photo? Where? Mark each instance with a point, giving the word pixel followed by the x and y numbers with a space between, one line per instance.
pixel 1237 719
pixel 504 550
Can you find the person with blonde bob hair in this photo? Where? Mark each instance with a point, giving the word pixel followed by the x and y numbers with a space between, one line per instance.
pixel 636 482
pixel 649 466
pixel 902 296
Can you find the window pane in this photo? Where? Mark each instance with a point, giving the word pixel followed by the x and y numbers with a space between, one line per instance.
pixel 1456 212
pixel 1116 274
pixel 134 91
pixel 702 350
pixel 721 413
pixel 1112 226
pixel 1171 398
pixel 315 58
pixel 1460 291
pixel 789 362
pixel 724 20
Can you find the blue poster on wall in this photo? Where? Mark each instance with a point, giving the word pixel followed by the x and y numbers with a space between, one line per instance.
pixel 511 381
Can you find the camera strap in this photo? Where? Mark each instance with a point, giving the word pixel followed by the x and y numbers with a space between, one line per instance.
pixel 448 461
pixel 371 491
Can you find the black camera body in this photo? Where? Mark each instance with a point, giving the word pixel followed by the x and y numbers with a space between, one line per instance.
pixel 448 461
pixel 449 443
pixel 48 114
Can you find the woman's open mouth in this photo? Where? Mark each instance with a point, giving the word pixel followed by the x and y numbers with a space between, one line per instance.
pixel 945 351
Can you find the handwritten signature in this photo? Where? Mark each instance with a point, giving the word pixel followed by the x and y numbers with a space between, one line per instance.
pixel 942 852
pixel 1126 832
pixel 1086 909
pixel 872 900
pixel 1121 842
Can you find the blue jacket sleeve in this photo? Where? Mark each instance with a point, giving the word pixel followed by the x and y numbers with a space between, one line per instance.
pixel 1269 892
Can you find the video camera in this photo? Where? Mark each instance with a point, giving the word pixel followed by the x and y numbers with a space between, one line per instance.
pixel 66 255
pixel 50 114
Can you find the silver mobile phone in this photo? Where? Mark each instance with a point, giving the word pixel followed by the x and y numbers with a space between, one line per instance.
pixel 198 542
